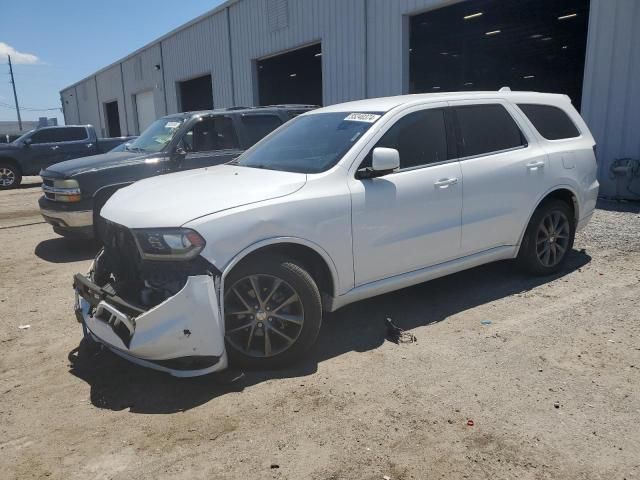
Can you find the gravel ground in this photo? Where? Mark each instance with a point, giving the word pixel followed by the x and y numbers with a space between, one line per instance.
pixel 551 385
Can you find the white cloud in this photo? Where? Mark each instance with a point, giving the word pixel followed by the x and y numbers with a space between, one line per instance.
pixel 16 56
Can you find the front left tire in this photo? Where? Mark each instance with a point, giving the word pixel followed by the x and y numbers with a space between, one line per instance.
pixel 10 176
pixel 273 313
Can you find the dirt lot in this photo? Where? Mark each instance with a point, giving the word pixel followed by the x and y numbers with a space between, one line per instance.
pixel 359 407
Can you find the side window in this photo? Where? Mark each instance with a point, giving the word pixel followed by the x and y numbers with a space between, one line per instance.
pixel 211 133
pixel 551 122
pixel 48 135
pixel 420 138
pixel 258 126
pixel 72 134
pixel 487 128
pixel 54 135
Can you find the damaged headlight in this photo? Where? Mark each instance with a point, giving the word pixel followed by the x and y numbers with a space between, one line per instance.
pixel 168 243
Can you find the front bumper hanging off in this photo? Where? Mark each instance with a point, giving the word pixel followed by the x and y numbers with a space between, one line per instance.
pixel 183 335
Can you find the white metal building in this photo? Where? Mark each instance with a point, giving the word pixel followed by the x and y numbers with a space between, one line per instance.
pixel 251 52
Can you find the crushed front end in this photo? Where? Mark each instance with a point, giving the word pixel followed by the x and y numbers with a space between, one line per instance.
pixel 162 314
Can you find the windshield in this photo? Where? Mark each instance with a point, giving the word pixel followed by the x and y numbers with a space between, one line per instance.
pixel 156 136
pixel 309 143
pixel 21 138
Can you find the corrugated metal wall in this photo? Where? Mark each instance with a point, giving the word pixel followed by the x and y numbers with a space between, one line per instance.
pixel 337 24
pixel 388 43
pixel 110 89
pixel 353 67
pixel 140 75
pixel 88 103
pixel 200 49
pixel 611 95
pixel 69 106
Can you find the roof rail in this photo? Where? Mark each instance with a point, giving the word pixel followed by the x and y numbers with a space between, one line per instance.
pixel 239 107
pixel 505 89
pixel 290 105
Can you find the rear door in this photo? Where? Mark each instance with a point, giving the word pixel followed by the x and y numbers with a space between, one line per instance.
pixel 409 219
pixel 504 170
pixel 213 140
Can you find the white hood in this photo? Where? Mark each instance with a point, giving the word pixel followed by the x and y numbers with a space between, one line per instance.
pixel 174 199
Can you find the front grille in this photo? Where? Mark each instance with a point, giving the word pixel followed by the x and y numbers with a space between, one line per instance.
pixel 143 282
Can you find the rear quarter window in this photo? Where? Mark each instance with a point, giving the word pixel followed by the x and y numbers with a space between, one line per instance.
pixel 551 122
pixel 259 126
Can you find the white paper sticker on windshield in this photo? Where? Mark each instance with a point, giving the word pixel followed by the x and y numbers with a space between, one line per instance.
pixel 172 124
pixel 363 117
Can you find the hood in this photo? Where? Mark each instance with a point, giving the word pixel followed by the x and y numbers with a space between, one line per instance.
pixel 177 198
pixel 73 167
pixel 10 147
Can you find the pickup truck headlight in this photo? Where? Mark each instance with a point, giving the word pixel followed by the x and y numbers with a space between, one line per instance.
pixel 168 243
pixel 63 191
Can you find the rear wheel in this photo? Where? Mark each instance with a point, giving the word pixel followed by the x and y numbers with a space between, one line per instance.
pixel 10 176
pixel 548 238
pixel 273 313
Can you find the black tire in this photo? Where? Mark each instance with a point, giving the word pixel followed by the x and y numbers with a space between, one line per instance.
pixel 530 257
pixel 294 277
pixel 10 176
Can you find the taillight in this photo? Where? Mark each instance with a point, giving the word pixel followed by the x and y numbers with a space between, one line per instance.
pixel 595 152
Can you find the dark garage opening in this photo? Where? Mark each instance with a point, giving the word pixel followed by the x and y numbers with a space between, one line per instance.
pixel 292 77
pixel 535 45
pixel 113 119
pixel 196 94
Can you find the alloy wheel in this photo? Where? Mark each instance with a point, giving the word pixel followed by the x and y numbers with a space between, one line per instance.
pixel 552 238
pixel 7 177
pixel 263 315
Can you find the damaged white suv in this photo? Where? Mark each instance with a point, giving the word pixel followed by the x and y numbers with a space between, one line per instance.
pixel 239 261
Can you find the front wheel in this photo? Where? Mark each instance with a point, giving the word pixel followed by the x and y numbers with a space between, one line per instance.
pixel 10 176
pixel 273 313
pixel 548 238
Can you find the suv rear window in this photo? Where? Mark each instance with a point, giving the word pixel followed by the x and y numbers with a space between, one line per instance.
pixel 487 128
pixel 259 126
pixel 551 122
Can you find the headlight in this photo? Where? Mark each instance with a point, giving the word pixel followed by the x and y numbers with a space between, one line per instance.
pixel 63 191
pixel 168 243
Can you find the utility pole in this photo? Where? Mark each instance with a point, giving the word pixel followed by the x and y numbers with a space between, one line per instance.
pixel 15 95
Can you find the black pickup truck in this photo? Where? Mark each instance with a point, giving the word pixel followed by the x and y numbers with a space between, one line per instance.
pixel 42 147
pixel 76 190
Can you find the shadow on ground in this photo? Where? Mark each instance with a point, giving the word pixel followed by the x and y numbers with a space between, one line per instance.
pixel 65 250
pixel 632 206
pixel 117 384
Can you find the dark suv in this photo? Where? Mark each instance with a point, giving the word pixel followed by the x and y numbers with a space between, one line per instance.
pixel 76 190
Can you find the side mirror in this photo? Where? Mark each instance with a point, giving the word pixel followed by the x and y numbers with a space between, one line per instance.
pixel 383 161
pixel 179 152
pixel 27 142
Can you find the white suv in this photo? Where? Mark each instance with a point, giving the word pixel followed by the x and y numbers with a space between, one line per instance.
pixel 340 204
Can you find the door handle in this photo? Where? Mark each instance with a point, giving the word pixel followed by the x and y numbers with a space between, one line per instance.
pixel 445 182
pixel 535 165
pixel 55 147
pixel 89 145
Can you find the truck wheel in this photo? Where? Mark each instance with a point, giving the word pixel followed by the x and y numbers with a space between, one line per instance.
pixel 10 176
pixel 548 238
pixel 273 313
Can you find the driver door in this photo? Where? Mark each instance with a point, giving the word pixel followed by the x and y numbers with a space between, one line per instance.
pixel 211 141
pixel 411 218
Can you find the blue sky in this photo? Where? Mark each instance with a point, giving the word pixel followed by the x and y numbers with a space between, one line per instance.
pixel 56 43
